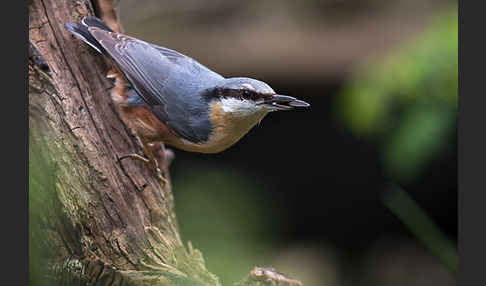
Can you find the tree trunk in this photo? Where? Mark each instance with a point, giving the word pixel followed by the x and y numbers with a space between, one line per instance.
pixel 95 219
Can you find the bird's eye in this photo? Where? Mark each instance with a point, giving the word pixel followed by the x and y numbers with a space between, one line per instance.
pixel 246 93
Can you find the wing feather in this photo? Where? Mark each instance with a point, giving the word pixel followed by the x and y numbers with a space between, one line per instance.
pixel 153 72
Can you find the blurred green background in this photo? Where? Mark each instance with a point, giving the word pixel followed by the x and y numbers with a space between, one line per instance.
pixel 303 192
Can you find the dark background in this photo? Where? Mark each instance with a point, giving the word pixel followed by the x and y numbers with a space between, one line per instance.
pixel 302 192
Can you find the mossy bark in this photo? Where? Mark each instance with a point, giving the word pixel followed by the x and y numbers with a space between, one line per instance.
pixel 94 220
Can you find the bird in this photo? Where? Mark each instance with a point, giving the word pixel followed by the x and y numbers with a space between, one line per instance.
pixel 165 96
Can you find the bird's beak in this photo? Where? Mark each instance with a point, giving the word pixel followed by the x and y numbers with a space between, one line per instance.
pixel 283 102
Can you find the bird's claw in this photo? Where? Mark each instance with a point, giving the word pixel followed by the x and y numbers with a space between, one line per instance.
pixel 161 177
pixel 153 165
pixel 135 156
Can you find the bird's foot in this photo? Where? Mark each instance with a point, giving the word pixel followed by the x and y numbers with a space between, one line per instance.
pixel 135 156
pixel 152 164
pixel 160 176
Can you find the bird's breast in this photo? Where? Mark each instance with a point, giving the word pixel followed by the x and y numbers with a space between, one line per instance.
pixel 227 129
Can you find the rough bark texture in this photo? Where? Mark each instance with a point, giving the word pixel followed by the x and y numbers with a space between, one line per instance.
pixel 94 220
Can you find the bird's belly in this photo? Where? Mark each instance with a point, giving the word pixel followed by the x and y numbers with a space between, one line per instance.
pixel 226 132
pixel 145 124
pixel 211 146
pixel 150 129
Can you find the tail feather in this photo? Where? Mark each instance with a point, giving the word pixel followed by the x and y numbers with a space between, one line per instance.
pixel 81 31
pixel 91 21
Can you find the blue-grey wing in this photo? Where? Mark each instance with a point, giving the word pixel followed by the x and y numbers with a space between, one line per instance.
pixel 177 57
pixel 166 80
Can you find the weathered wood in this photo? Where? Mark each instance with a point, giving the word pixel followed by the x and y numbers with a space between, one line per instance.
pixel 95 220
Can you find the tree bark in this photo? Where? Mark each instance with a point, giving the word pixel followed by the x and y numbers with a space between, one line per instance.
pixel 95 219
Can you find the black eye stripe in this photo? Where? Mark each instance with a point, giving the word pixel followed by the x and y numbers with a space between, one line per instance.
pixel 247 94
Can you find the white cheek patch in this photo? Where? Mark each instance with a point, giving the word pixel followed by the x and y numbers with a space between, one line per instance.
pixel 239 107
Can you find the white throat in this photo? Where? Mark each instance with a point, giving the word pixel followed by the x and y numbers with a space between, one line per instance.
pixel 240 107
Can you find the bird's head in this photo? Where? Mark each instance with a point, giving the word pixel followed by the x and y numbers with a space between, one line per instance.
pixel 235 105
pixel 242 96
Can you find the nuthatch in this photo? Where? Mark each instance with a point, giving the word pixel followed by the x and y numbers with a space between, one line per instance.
pixel 165 96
